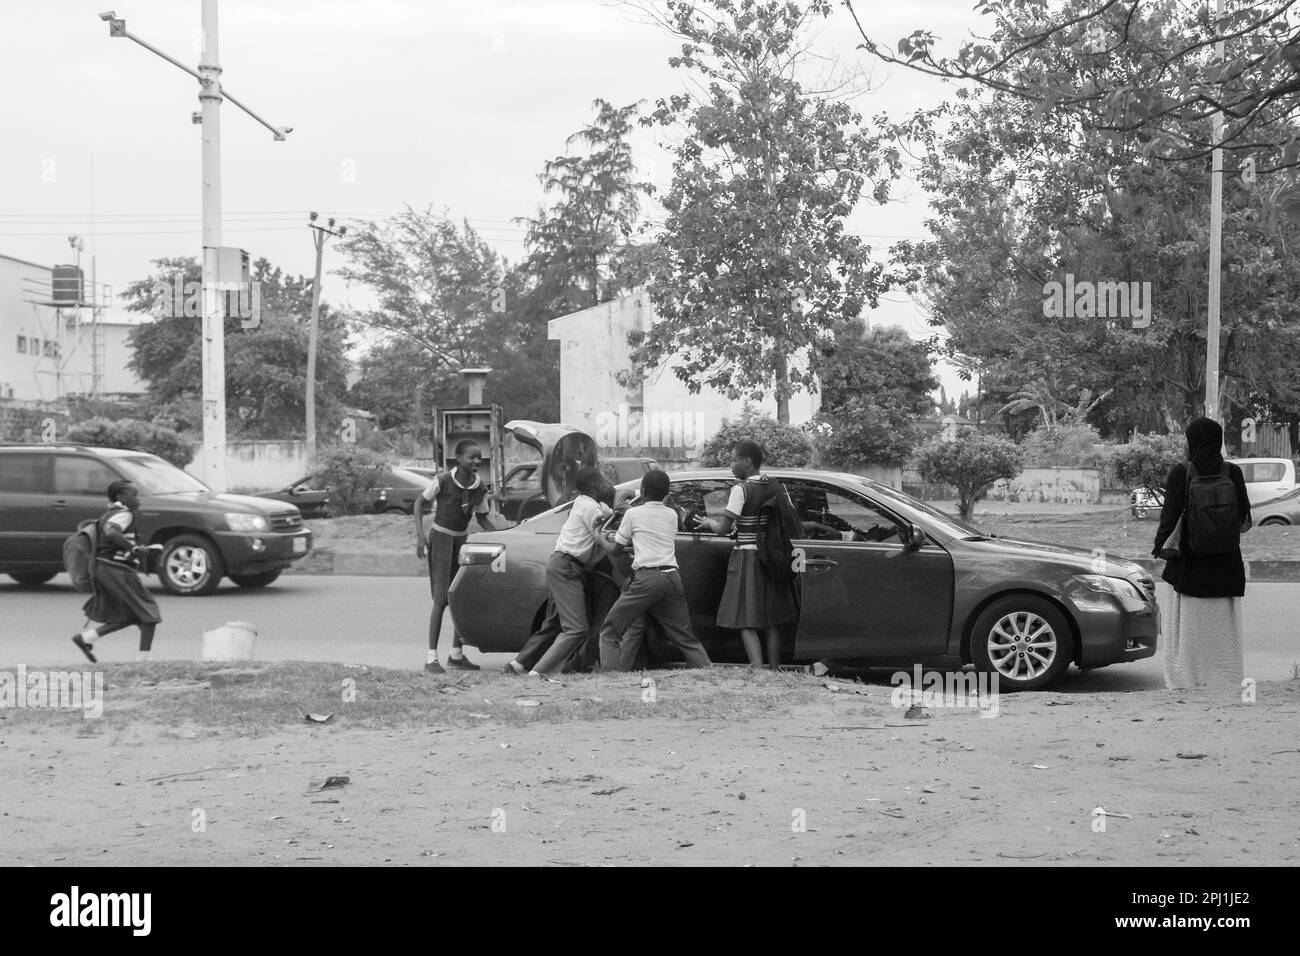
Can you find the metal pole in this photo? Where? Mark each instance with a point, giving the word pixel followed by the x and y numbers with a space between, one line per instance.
pixel 214 338
pixel 319 238
pixel 1216 251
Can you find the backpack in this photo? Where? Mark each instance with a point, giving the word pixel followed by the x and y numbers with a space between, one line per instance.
pixel 79 556
pixel 778 527
pixel 1213 524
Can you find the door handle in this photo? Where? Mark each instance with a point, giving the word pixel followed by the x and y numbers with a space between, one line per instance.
pixel 820 562
pixel 59 503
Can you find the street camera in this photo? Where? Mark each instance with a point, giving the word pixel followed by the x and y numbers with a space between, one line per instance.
pixel 108 15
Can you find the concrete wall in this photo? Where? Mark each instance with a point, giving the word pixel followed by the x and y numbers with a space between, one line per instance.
pixel 23 421
pixel 260 465
pixel 661 417
pixel 1062 485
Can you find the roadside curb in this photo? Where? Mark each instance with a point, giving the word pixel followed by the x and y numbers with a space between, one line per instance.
pixel 361 564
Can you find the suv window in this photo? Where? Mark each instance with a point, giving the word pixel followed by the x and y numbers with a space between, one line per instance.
pixel 1265 471
pixel 81 476
pixel 24 474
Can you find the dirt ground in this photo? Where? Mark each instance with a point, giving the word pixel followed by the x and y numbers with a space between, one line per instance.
pixel 811 776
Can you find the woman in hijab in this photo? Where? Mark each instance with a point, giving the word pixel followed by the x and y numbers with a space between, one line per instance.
pixel 1202 631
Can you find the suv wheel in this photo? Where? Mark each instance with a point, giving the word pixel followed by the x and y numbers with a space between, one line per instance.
pixel 259 580
pixel 1025 640
pixel 190 565
pixel 32 579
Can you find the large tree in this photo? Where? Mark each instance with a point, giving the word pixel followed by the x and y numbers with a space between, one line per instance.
pixel 755 262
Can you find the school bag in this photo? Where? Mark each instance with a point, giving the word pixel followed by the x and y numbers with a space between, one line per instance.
pixel 778 527
pixel 1213 525
pixel 79 556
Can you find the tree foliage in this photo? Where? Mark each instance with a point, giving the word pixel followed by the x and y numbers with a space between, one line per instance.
pixel 352 474
pixel 136 435
pixel 1145 461
pixel 971 464
pixel 783 445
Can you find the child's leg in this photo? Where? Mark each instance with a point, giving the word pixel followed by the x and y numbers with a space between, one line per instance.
pixel 773 646
pixel 753 649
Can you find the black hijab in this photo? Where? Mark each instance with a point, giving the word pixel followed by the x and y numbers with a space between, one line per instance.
pixel 1205 445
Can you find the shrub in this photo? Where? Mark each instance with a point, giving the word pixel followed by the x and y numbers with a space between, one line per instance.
pixel 1145 461
pixel 351 473
pixel 971 463
pixel 150 437
pixel 1065 446
pixel 859 433
pixel 784 446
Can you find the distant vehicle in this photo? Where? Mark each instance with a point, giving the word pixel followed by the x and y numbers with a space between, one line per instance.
pixel 522 496
pixel 1281 510
pixel 1266 478
pixel 619 470
pixel 397 494
pixel 47 490
pixel 1142 501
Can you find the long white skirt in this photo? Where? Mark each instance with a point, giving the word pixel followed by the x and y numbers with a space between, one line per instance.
pixel 1202 642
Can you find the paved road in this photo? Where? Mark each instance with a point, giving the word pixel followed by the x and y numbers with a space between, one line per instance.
pixel 382 620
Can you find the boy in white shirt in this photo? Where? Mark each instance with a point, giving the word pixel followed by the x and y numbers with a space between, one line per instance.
pixel 650 529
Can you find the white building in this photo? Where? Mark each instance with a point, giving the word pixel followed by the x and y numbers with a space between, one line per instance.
pixel 660 417
pixel 49 352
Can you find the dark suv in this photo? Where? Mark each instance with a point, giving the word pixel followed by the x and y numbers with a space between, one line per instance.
pixel 47 490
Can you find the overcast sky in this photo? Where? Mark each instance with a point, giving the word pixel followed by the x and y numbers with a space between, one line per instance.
pixel 450 103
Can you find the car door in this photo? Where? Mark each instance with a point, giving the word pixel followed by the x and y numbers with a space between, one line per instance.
pixel 80 492
pixel 309 497
pixel 701 556
pixel 25 538
pixel 863 595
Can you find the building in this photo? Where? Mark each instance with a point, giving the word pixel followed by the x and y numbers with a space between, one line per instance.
pixel 49 351
pixel 658 417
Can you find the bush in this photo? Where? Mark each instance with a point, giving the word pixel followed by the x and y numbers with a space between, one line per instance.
pixel 150 437
pixel 859 433
pixel 351 473
pixel 971 463
pixel 784 446
pixel 1065 446
pixel 1145 461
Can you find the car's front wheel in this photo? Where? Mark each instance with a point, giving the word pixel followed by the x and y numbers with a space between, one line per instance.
pixel 32 579
pixel 191 565
pixel 259 580
pixel 1278 521
pixel 1025 640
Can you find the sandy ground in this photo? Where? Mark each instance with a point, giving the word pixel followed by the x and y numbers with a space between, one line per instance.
pixel 867 785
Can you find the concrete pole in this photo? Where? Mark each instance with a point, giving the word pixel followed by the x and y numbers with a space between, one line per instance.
pixel 214 333
pixel 1216 254
pixel 319 237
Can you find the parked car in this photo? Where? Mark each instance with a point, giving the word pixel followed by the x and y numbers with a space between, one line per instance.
pixel 397 494
pixel 1143 501
pixel 521 497
pixel 1266 478
pixel 889 582
pixel 1284 509
pixel 619 470
pixel 47 490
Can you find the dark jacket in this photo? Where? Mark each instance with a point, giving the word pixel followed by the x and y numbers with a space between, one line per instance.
pixel 1201 575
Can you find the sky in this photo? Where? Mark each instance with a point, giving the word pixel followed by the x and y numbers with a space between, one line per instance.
pixel 450 104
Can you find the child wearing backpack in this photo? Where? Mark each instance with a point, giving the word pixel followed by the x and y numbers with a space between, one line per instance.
pixel 119 597
pixel 1206 501
pixel 752 600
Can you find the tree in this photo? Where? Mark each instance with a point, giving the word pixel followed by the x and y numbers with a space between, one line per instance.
pixel 1069 445
pixel 783 445
pixel 970 464
pixel 136 435
pixel 1134 71
pixel 755 264
pixel 1146 460
pixel 352 474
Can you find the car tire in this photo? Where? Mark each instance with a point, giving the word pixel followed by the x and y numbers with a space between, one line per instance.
pixel 32 579
pixel 258 580
pixel 190 566
pixel 1275 521
pixel 395 511
pixel 1044 651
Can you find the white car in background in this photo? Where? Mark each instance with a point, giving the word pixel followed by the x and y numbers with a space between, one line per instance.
pixel 1266 478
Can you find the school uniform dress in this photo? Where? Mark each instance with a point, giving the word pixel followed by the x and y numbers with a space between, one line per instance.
pixel 655 589
pixel 453 503
pixel 119 595
pixel 750 599
pixel 566 579
pixel 1202 624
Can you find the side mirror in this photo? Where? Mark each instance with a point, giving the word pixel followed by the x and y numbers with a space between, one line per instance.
pixel 915 539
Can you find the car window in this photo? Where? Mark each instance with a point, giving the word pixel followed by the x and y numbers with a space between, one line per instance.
pixel 23 474
pixel 830 514
pixel 82 476
pixel 156 477
pixel 525 480
pixel 1267 471
pixel 706 496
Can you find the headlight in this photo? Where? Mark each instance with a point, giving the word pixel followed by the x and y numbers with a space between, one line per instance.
pixel 1118 586
pixel 242 522
pixel 480 553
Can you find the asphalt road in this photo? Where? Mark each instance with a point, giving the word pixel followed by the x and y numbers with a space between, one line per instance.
pixel 382 621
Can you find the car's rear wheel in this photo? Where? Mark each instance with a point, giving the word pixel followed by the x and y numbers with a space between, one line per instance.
pixel 190 566
pixel 396 511
pixel 259 580
pixel 1025 640
pixel 32 579
pixel 1281 521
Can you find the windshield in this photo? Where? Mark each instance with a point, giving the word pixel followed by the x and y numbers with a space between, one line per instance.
pixel 950 523
pixel 156 477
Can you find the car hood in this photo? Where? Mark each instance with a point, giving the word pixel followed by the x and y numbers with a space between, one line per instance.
pixel 221 502
pixel 1081 559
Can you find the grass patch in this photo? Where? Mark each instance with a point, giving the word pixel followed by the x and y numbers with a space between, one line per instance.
pixel 190 699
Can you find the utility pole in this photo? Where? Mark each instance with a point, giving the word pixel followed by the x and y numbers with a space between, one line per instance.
pixel 1216 245
pixel 320 235
pixel 211 95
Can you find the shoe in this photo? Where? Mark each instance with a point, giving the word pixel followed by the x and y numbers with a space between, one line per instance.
pixel 433 667
pixel 513 670
pixel 85 648
pixel 462 663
